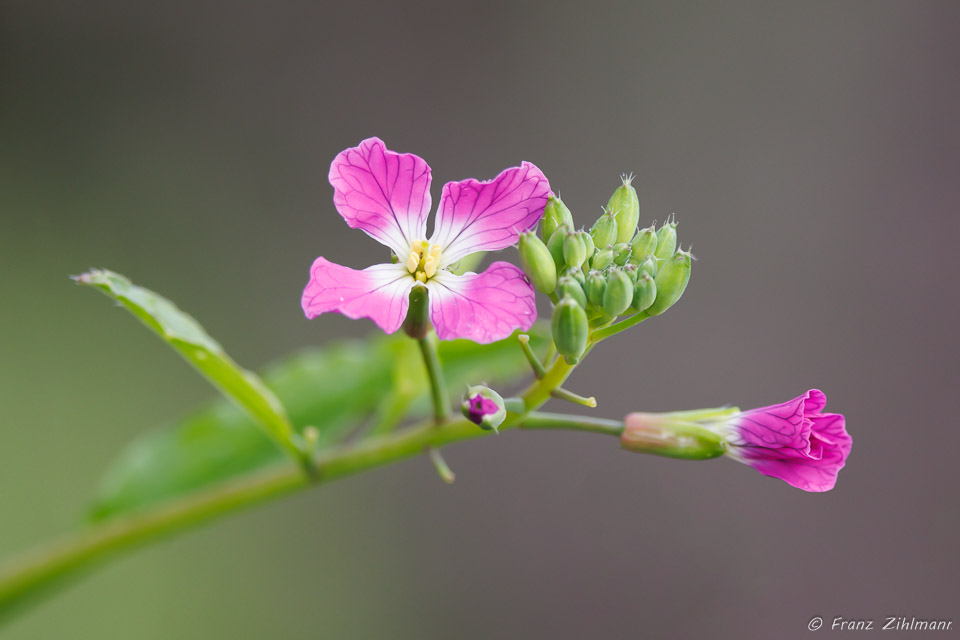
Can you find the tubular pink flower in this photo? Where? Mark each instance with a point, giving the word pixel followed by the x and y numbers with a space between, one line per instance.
pixel 387 196
pixel 794 441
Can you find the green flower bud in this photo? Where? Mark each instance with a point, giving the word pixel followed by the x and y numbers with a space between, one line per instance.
pixel 568 286
pixel 618 295
pixel 632 271
pixel 671 282
pixel 555 246
pixel 555 215
pixel 587 243
pixel 649 265
pixel 483 407
pixel 644 243
pixel 601 259
pixel 570 329
pixel 626 207
pixel 666 240
pixel 644 293
pixel 604 230
pixel 576 273
pixel 574 250
pixel 621 252
pixel 594 288
pixel 537 262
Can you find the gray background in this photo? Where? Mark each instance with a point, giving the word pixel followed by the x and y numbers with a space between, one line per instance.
pixel 809 149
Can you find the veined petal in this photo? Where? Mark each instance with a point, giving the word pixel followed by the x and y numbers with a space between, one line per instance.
pixel 380 292
pixel 793 441
pixel 483 307
pixel 803 473
pixel 781 427
pixel 487 216
pixel 384 193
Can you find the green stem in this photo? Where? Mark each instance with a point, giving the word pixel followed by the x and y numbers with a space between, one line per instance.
pixel 515 405
pixel 613 329
pixel 438 385
pixel 33 573
pixel 443 469
pixel 539 392
pixel 576 423
pixel 538 369
pixel 562 394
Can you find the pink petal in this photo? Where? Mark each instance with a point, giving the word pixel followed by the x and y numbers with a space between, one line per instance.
pixel 814 462
pixel 814 401
pixel 384 193
pixel 380 292
pixel 777 427
pixel 483 307
pixel 804 473
pixel 487 216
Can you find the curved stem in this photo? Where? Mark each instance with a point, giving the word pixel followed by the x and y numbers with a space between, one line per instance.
pixel 562 394
pixel 438 385
pixel 613 329
pixel 33 573
pixel 538 369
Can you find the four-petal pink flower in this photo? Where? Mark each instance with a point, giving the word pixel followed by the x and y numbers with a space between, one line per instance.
pixel 793 441
pixel 387 195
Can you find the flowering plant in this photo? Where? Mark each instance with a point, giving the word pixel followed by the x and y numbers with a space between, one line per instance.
pixel 387 195
pixel 348 408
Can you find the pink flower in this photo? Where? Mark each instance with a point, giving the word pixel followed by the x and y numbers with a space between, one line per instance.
pixel 793 441
pixel 387 195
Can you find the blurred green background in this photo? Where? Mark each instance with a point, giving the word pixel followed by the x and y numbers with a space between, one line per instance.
pixel 810 151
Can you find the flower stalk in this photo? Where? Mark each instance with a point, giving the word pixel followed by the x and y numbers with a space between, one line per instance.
pixel 538 369
pixel 438 385
pixel 33 573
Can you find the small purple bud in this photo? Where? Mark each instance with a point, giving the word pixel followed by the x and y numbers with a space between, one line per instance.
pixel 484 407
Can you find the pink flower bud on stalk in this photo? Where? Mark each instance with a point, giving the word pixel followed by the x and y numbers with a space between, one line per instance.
pixel 793 441
pixel 484 407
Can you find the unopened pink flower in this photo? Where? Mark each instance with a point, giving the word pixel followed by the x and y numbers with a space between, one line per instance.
pixel 794 441
pixel 387 195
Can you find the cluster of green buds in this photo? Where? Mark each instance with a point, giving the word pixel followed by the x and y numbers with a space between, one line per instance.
pixel 614 269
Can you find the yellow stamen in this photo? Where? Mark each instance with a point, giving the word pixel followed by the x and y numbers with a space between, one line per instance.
pixel 413 261
pixel 423 261
pixel 430 266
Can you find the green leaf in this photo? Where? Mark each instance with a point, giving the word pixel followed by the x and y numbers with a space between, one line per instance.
pixel 188 338
pixel 335 388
